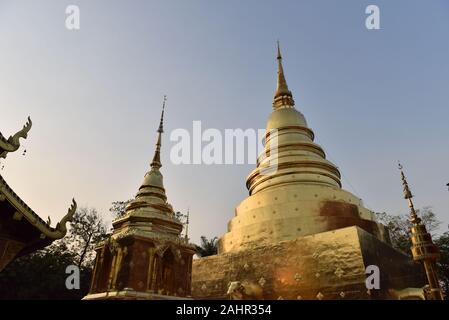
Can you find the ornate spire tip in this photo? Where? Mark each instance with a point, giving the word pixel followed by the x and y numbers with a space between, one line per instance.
pixel 161 123
pixel 282 97
pixel 279 51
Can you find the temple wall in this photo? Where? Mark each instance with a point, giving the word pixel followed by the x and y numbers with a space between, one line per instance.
pixel 329 265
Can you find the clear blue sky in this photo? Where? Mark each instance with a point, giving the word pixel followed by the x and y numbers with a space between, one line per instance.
pixel 94 95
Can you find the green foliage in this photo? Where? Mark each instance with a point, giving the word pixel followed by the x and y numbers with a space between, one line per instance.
pixel 118 208
pixel 443 264
pixel 181 217
pixel 207 247
pixel 399 229
pixel 42 274
pixel 86 229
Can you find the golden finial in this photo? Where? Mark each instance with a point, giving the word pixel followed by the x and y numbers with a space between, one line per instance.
pixel 407 192
pixel 423 249
pixel 408 195
pixel 156 163
pixel 283 97
pixel 187 225
pixel 161 123
pixel 279 57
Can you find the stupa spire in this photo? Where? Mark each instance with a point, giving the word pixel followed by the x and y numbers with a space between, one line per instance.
pixel 408 196
pixel 283 96
pixel 423 249
pixel 156 163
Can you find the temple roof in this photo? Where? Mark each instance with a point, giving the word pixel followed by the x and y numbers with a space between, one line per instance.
pixel 19 224
pixel 9 200
pixel 13 142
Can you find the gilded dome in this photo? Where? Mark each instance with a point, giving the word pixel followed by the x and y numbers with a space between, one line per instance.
pixel 285 117
pixel 153 178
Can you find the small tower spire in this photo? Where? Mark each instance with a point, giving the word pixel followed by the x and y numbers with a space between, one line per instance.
pixel 423 249
pixel 283 96
pixel 161 123
pixel 186 238
pixel 408 195
pixel 156 163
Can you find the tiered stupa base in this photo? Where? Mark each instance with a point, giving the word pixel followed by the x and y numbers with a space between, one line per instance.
pixel 133 267
pixel 329 265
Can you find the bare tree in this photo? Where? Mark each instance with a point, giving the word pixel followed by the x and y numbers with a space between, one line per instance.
pixel 118 208
pixel 87 229
pixel 399 227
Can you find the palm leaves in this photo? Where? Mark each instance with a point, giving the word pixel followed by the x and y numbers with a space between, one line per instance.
pixel 208 247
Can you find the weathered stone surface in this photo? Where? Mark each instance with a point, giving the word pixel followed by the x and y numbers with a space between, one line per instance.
pixel 290 268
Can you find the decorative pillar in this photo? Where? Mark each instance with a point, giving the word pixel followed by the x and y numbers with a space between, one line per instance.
pixel 97 267
pixel 423 248
pixel 151 252
pixel 154 273
pixel 189 275
pixel 118 264
pixel 112 271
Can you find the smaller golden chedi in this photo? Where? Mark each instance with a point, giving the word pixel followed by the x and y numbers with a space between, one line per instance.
pixel 145 257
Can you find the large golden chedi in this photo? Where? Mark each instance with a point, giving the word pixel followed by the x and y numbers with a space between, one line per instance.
pixel 299 235
pixel 294 191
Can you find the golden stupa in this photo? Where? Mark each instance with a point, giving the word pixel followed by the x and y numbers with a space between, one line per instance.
pixel 299 235
pixel 145 258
